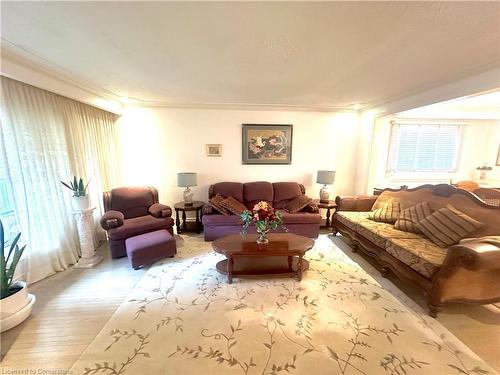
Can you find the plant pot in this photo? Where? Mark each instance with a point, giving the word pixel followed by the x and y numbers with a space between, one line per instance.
pixel 15 308
pixel 80 203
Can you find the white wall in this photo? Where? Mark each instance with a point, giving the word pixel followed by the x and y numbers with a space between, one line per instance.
pixel 480 142
pixel 159 142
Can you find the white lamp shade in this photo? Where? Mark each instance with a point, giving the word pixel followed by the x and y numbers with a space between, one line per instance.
pixel 186 179
pixel 325 177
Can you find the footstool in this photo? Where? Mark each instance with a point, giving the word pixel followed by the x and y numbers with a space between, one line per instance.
pixel 150 247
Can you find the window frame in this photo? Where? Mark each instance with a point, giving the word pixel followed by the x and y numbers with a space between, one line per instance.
pixel 389 167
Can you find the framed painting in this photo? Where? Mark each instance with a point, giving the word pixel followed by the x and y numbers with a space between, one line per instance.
pixel 267 144
pixel 214 150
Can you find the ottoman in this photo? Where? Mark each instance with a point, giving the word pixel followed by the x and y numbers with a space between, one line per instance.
pixel 150 247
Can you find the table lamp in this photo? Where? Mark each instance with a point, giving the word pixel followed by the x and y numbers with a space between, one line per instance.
pixel 187 179
pixel 325 178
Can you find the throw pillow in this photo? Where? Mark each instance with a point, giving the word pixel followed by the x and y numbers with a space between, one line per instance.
pixel 388 214
pixel 447 226
pixel 233 205
pixel 409 218
pixel 297 204
pixel 215 203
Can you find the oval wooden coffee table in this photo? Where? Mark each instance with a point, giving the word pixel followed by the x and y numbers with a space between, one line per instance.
pixel 282 255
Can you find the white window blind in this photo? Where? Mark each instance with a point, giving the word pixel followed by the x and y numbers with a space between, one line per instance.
pixel 424 147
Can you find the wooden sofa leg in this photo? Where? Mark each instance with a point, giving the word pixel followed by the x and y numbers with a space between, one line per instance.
pixel 354 248
pixel 385 271
pixel 434 309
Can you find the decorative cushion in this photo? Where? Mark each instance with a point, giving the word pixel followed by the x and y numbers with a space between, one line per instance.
pixel 447 226
pixel 297 204
pixel 233 205
pixel 215 202
pixel 388 214
pixel 409 218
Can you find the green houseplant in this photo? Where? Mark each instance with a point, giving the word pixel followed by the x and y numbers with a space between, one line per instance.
pixel 8 264
pixel 80 198
pixel 15 302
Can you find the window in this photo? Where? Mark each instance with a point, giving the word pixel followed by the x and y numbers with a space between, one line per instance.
pixel 424 148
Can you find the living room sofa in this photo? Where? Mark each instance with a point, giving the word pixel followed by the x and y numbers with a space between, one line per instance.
pixel 465 272
pixel 215 225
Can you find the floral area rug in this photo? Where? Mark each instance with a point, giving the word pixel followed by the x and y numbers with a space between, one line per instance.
pixel 183 318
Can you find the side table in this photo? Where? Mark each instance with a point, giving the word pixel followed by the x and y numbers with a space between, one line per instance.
pixel 330 205
pixel 182 207
pixel 85 227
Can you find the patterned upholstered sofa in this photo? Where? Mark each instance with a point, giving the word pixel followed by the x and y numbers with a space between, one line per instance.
pixel 465 272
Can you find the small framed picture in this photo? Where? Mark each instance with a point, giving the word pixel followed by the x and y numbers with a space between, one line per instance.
pixel 214 150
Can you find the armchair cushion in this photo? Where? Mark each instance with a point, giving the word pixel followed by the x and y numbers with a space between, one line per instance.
pixel 160 210
pixel 140 225
pixel 112 219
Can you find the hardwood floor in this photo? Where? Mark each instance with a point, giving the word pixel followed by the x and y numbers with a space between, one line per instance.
pixel 73 306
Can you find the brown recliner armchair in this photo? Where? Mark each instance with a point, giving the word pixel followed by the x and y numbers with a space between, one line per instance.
pixel 130 211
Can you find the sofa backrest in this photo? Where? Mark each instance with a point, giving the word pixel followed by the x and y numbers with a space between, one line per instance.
pixel 249 193
pixel 284 192
pixel 131 201
pixel 254 192
pixel 226 189
pixel 439 196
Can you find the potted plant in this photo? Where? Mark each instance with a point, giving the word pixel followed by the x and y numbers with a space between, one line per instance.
pixel 80 198
pixel 265 219
pixel 483 171
pixel 15 302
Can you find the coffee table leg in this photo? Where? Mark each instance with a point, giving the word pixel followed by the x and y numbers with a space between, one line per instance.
pixel 290 263
pixel 299 268
pixel 230 270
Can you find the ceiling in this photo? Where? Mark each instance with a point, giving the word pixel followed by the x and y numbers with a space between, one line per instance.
pixel 479 107
pixel 309 54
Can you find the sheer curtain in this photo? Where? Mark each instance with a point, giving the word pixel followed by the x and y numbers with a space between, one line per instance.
pixel 45 138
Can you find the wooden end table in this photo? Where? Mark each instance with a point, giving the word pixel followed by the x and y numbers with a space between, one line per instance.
pixel 182 207
pixel 245 257
pixel 330 205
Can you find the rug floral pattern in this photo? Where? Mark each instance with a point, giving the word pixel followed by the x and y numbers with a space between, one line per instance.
pixel 183 318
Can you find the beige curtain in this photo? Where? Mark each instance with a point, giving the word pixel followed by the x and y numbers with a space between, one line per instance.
pixel 45 138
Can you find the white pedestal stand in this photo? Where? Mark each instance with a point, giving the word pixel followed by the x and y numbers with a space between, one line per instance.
pixel 85 227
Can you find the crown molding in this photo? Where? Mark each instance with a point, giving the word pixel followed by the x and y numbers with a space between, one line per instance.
pixel 239 106
pixel 23 65
pixel 486 81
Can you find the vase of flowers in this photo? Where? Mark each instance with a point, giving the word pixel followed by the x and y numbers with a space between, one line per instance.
pixel 265 219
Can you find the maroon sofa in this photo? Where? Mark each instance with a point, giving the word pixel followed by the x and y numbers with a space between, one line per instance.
pixel 215 225
pixel 131 211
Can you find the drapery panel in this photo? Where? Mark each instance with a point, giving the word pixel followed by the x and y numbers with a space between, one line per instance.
pixel 45 138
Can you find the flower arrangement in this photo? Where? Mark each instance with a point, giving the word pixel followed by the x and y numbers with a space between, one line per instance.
pixel 265 218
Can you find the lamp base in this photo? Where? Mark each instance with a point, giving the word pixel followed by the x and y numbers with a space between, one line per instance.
pixel 188 197
pixel 324 195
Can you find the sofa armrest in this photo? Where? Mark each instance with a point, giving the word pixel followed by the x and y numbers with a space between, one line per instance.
pixel 112 219
pixel 355 202
pixel 160 210
pixel 474 255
